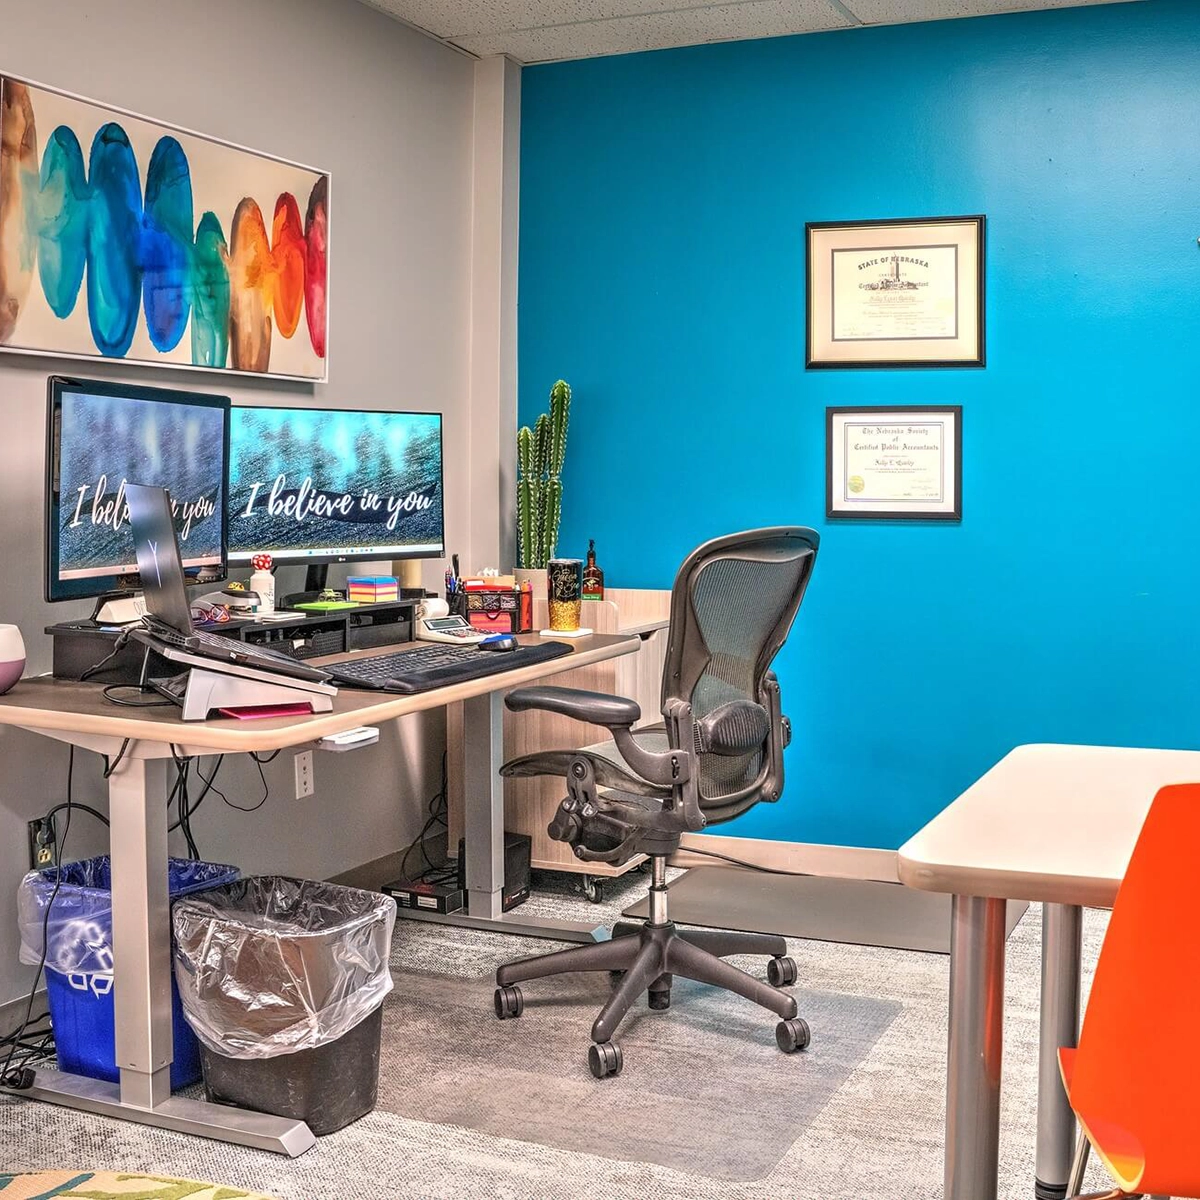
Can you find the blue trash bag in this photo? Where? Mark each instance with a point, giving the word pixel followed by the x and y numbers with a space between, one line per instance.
pixel 79 930
pixel 79 961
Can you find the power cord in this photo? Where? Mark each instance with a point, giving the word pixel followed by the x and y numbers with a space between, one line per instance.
pixel 120 644
pixel 437 808
pixel 21 1075
pixel 110 767
pixel 110 694
pixel 741 862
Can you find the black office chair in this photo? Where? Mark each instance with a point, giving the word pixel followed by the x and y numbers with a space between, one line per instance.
pixel 718 752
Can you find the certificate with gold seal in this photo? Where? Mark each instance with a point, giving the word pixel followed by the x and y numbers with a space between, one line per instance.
pixel 894 463
pixel 896 293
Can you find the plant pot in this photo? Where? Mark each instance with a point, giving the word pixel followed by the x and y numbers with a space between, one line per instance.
pixel 536 577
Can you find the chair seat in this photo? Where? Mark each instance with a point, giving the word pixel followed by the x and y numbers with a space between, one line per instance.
pixel 613 776
pixel 1122 1153
pixel 651 738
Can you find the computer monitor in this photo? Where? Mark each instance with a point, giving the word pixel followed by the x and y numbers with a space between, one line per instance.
pixel 101 436
pixel 322 485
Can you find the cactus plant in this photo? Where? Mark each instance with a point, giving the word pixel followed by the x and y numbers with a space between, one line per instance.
pixel 541 452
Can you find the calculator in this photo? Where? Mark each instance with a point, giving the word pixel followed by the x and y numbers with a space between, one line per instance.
pixel 456 630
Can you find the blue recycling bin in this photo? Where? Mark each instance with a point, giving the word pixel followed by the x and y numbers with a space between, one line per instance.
pixel 79 979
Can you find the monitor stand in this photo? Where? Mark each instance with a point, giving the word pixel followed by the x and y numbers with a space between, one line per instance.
pixel 119 608
pixel 315 581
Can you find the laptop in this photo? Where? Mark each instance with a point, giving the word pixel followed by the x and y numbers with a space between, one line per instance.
pixel 168 615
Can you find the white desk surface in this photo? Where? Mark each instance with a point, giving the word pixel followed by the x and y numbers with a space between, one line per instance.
pixel 58 707
pixel 1047 823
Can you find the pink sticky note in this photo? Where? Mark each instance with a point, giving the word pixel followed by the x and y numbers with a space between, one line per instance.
pixel 270 710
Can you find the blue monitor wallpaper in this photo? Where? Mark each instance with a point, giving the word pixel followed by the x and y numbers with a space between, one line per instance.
pixel 310 483
pixel 108 441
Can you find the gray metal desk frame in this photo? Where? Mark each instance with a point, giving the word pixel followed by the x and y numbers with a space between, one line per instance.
pixel 77 714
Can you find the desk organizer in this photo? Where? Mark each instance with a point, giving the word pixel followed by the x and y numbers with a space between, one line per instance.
pixel 499 610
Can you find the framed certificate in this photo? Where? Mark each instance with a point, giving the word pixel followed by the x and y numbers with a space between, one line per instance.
pixel 896 293
pixel 894 463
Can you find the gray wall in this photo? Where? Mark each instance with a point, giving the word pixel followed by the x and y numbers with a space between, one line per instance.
pixel 386 111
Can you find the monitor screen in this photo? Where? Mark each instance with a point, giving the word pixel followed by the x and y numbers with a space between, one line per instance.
pixel 326 485
pixel 101 436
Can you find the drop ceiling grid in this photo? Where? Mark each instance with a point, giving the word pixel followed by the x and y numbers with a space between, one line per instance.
pixel 541 30
pixel 624 35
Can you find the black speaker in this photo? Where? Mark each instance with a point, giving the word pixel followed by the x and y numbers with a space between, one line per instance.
pixel 518 849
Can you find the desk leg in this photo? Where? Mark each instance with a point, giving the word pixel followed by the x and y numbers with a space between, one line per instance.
pixel 976 1041
pixel 482 753
pixel 141 931
pixel 1062 949
pixel 142 988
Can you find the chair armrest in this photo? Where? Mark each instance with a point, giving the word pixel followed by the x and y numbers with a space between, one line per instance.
pixel 611 712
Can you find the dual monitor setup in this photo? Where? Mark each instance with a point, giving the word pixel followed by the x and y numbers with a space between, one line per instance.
pixel 306 485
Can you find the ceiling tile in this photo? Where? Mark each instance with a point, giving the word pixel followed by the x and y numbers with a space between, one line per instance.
pixel 658 30
pixel 888 12
pixel 457 18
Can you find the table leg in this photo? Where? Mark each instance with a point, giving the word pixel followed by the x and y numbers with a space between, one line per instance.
pixel 141 931
pixel 975 1052
pixel 142 988
pixel 1062 949
pixel 482 753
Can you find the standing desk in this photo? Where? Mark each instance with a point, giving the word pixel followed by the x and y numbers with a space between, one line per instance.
pixel 1049 823
pixel 78 714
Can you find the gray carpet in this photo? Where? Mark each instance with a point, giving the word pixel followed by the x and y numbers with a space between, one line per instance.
pixel 878 1137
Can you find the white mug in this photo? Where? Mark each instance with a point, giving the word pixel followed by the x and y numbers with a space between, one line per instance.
pixel 12 656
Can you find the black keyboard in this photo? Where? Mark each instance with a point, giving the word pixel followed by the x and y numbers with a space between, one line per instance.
pixel 228 649
pixel 428 667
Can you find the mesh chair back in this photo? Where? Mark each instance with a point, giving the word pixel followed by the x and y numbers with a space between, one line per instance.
pixel 732 607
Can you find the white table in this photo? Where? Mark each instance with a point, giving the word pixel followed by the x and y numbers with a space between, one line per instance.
pixel 1049 823
pixel 78 714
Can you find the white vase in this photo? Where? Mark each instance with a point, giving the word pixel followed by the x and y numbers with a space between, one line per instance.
pixel 12 656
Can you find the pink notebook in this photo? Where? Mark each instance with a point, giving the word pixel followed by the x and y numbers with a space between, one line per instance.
pixel 269 710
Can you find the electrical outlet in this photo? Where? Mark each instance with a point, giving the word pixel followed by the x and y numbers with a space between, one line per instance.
pixel 303 763
pixel 41 843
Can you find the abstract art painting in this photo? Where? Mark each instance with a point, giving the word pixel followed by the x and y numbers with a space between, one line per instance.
pixel 126 239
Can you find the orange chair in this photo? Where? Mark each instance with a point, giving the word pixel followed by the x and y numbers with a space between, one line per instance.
pixel 1134 1081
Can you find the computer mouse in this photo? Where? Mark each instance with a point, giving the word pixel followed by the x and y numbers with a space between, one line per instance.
pixel 502 641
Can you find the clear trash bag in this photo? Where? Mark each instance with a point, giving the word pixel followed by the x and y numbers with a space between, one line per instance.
pixel 79 930
pixel 271 965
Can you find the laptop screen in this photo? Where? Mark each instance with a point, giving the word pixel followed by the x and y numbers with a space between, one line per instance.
pixel 158 559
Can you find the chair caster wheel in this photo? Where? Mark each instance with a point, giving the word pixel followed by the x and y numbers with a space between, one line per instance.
pixel 593 889
pixel 793 1035
pixel 781 972
pixel 604 1059
pixel 509 1002
pixel 660 1000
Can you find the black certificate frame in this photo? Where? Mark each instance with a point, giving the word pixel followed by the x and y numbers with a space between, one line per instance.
pixel 901 411
pixel 819 310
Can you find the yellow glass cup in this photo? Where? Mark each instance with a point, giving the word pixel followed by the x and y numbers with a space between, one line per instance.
pixel 564 590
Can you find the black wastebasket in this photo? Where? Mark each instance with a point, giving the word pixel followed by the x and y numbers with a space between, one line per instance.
pixel 283 982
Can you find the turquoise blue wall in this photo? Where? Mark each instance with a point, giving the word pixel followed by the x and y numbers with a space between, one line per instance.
pixel 663 202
